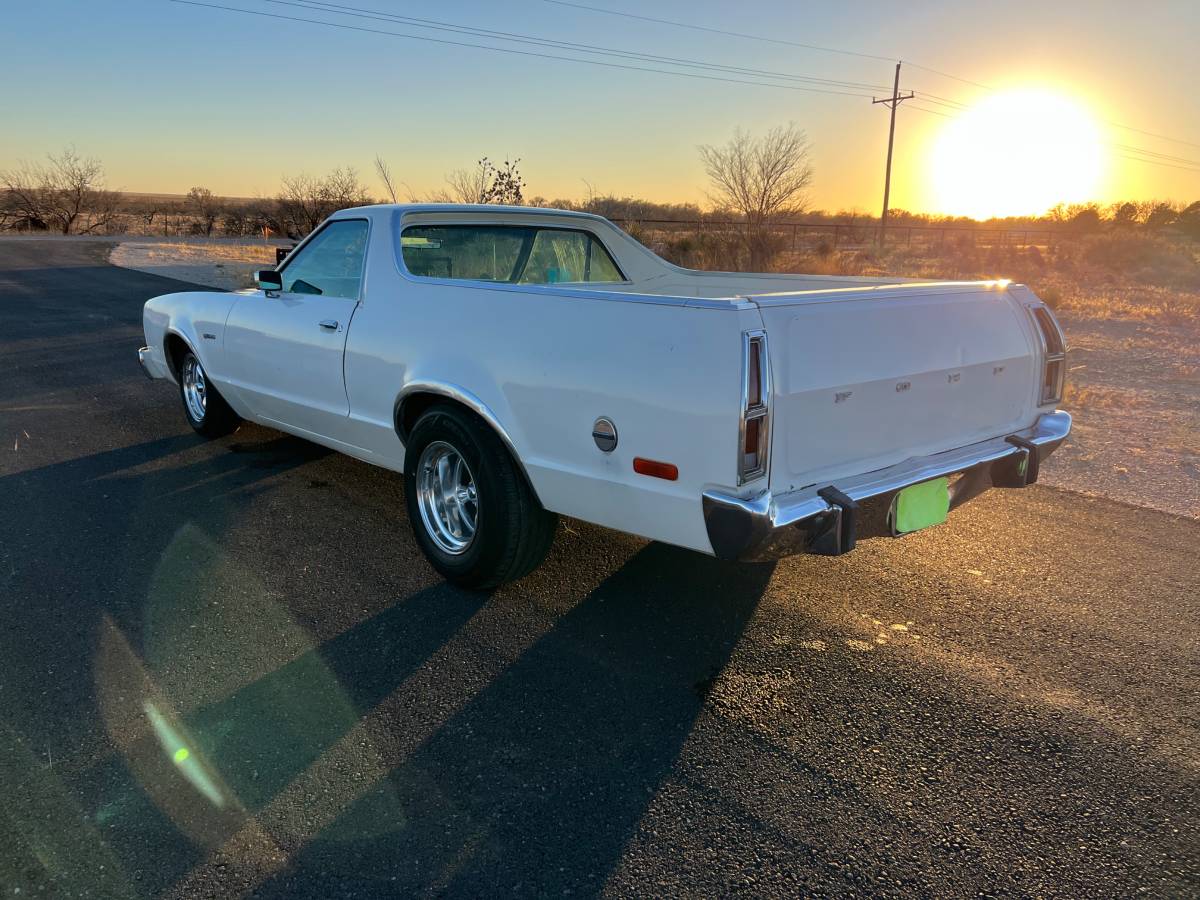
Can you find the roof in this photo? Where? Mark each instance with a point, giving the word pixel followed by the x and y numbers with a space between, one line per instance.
pixel 478 208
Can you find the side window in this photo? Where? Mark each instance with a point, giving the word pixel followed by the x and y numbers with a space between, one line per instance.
pixel 331 264
pixel 475 252
pixel 568 256
pixel 508 253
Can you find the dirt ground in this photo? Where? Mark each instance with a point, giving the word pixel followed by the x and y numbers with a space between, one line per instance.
pixel 1134 391
pixel 1133 385
pixel 224 263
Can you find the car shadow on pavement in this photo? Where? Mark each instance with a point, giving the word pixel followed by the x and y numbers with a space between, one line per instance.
pixel 540 780
pixel 540 777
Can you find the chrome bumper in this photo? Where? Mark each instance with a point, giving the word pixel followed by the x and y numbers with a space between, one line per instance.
pixel 151 367
pixel 830 519
pixel 143 356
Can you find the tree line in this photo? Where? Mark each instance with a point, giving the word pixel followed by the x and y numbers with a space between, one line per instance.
pixel 761 181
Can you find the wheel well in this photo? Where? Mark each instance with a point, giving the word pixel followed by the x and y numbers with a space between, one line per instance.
pixel 174 348
pixel 413 406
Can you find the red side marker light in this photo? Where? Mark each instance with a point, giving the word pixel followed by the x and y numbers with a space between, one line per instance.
pixel 655 469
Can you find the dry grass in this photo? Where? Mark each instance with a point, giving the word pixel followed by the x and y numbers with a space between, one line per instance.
pixel 1077 396
pixel 227 264
pixel 1142 302
pixel 201 253
pixel 1105 276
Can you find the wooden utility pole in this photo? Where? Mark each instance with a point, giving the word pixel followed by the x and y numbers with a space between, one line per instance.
pixel 892 102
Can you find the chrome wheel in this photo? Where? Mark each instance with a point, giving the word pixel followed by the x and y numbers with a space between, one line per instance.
pixel 446 497
pixel 195 389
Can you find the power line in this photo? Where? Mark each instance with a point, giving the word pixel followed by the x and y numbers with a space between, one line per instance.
pixel 1161 137
pixel 515 37
pixel 530 53
pixel 942 101
pixel 754 76
pixel 1156 163
pixel 770 40
pixel 1163 156
pixel 932 112
pixel 710 30
pixel 948 75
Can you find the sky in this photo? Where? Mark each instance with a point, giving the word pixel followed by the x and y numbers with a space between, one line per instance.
pixel 170 96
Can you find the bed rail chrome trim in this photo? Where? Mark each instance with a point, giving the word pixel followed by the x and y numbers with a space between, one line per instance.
pixel 766 526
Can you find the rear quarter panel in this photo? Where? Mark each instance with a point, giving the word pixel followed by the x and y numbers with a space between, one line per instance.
pixel 547 363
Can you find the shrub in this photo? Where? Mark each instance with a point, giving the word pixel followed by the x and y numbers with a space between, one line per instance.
pixel 1152 257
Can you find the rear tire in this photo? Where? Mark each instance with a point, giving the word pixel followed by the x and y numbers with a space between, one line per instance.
pixel 205 408
pixel 473 514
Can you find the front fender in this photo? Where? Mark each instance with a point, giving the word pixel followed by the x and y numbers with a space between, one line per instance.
pixel 195 317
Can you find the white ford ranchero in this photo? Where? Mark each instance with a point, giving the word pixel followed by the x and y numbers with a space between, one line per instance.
pixel 517 363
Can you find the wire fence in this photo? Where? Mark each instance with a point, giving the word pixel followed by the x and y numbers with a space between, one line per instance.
pixel 851 235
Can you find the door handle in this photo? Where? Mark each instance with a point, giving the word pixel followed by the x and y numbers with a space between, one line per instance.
pixel 329 324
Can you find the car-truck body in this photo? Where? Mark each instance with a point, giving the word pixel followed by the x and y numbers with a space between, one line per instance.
pixel 556 366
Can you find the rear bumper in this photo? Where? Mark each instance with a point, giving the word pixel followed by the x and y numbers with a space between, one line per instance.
pixel 829 519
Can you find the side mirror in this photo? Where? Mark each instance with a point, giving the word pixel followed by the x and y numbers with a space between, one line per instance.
pixel 270 281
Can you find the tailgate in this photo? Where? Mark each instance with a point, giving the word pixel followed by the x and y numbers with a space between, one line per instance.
pixel 863 383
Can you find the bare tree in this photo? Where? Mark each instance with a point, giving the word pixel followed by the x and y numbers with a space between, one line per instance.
pixel 66 194
pixel 486 183
pixel 385 175
pixel 25 206
pixel 304 202
pixel 148 213
pixel 207 207
pixel 105 214
pixel 468 185
pixel 763 179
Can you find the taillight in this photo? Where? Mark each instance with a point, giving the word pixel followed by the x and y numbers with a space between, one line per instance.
pixel 754 428
pixel 1054 355
pixel 754 374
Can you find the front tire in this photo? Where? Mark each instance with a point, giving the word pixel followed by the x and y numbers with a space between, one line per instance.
pixel 205 408
pixel 473 514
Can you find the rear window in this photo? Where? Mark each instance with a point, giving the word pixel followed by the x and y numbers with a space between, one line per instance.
pixel 507 253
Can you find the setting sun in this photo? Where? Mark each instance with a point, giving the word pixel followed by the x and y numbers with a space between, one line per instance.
pixel 1017 153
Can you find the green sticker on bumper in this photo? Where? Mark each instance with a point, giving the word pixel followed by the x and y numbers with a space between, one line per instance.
pixel 922 505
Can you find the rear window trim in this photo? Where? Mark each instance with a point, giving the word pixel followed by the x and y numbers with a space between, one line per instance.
pixel 405 227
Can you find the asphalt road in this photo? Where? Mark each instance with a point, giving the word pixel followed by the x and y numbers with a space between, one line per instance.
pixel 225 668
